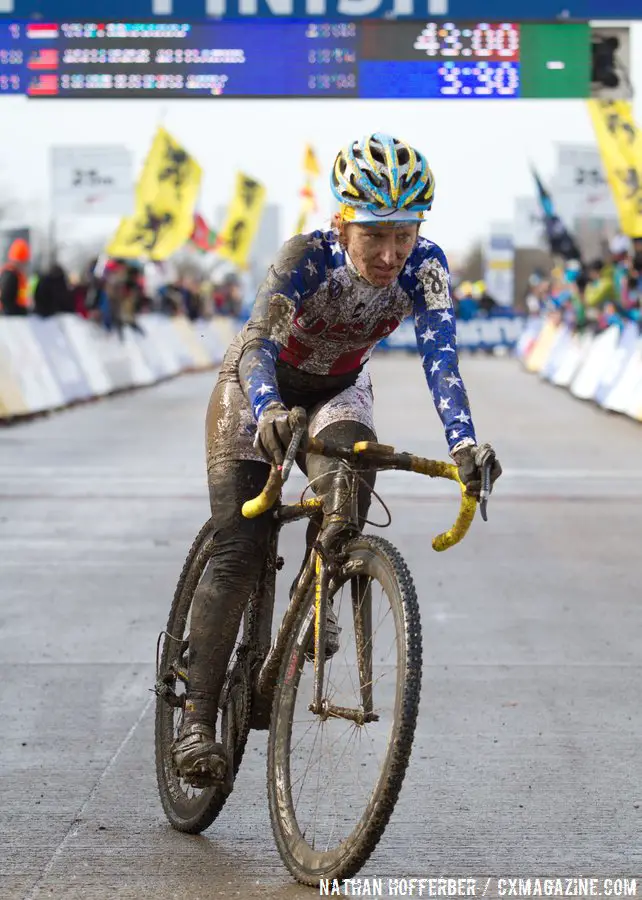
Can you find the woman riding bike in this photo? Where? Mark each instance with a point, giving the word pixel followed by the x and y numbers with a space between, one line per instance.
pixel 327 300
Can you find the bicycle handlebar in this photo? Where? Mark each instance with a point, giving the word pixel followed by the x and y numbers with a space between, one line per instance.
pixel 267 498
pixel 379 456
pixel 467 508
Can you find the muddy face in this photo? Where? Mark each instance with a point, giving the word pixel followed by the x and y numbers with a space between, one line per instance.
pixel 379 252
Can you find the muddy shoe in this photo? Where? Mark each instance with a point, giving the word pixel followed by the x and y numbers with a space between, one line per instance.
pixel 199 759
pixel 332 632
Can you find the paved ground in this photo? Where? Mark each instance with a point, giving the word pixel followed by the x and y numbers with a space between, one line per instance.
pixel 527 757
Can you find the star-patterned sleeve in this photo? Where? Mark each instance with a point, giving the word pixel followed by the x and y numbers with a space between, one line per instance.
pixel 296 273
pixel 437 342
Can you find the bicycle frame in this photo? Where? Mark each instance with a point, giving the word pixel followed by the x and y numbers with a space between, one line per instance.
pixel 314 569
pixel 322 564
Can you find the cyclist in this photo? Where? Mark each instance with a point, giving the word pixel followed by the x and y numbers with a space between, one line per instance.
pixel 327 300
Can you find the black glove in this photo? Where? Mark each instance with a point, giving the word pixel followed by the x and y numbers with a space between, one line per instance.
pixel 274 433
pixel 470 460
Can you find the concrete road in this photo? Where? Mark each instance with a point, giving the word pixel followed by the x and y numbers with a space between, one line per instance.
pixel 527 756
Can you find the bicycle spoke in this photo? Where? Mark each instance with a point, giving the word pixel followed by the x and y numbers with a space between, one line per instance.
pixel 307 766
pixel 317 722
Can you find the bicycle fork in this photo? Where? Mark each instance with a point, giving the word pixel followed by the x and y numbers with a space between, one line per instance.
pixel 338 527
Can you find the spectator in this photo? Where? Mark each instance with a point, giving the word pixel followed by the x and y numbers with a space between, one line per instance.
pixel 52 294
pixel 486 303
pixel 228 297
pixel 601 286
pixel 172 300
pixel 14 289
pixel 466 305
pixel 536 293
pixel 119 295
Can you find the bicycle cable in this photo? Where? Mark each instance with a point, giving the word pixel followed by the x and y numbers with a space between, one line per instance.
pixel 360 480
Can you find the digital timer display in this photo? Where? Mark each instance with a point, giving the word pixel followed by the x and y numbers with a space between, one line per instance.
pixel 270 58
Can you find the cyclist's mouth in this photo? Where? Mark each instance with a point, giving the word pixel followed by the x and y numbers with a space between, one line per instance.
pixel 385 272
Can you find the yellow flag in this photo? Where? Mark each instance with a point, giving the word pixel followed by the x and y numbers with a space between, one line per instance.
pixel 620 143
pixel 166 194
pixel 312 170
pixel 311 165
pixel 300 225
pixel 237 234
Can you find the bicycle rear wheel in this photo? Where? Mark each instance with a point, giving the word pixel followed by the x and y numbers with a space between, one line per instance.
pixel 333 784
pixel 188 809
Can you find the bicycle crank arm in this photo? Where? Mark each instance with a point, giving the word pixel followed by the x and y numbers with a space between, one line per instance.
pixel 330 711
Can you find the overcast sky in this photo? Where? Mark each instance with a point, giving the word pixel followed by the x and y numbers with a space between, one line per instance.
pixel 478 149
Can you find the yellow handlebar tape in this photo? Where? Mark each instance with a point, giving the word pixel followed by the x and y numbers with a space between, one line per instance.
pixel 467 509
pixel 459 530
pixel 267 498
pixel 256 507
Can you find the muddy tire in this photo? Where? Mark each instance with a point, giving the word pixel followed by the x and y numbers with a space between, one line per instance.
pixel 187 809
pixel 375 559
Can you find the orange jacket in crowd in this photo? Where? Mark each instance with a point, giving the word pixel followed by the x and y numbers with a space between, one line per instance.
pixel 14 286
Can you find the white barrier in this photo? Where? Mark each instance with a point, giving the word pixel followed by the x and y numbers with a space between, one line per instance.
pixel 619 397
pixel 27 366
pixel 47 364
pixel 586 382
pixel 80 335
pixel 605 368
pixel 571 362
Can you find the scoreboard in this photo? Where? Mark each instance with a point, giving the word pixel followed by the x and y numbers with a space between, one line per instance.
pixel 264 58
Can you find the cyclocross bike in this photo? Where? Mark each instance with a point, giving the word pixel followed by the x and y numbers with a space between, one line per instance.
pixel 340 728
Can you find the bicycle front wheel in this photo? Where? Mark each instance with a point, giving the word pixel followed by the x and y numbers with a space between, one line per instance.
pixel 333 781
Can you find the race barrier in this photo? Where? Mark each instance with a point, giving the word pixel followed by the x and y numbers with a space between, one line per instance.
pixel 604 367
pixel 502 329
pixel 50 364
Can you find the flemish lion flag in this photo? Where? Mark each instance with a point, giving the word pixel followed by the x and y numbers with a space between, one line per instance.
pixel 166 194
pixel 620 143
pixel 242 221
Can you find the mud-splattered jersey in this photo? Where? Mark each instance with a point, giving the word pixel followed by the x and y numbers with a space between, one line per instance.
pixel 314 312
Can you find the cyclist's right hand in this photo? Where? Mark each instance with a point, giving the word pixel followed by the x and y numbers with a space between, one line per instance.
pixel 274 433
pixel 470 461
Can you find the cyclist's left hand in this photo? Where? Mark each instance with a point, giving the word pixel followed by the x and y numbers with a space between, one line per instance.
pixel 469 461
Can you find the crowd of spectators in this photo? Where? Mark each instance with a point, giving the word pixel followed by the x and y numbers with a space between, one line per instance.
pixel 472 301
pixel 595 294
pixel 111 292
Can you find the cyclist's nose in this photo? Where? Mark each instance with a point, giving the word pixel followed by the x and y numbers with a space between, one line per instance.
pixel 388 253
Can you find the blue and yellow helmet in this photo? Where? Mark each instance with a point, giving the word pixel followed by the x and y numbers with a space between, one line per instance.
pixel 381 178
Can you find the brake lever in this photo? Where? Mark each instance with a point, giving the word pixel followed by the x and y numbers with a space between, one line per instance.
pixel 299 423
pixel 484 493
pixel 486 464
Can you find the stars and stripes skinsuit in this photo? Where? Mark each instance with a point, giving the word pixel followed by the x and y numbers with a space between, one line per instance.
pixel 314 325
pixel 324 319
